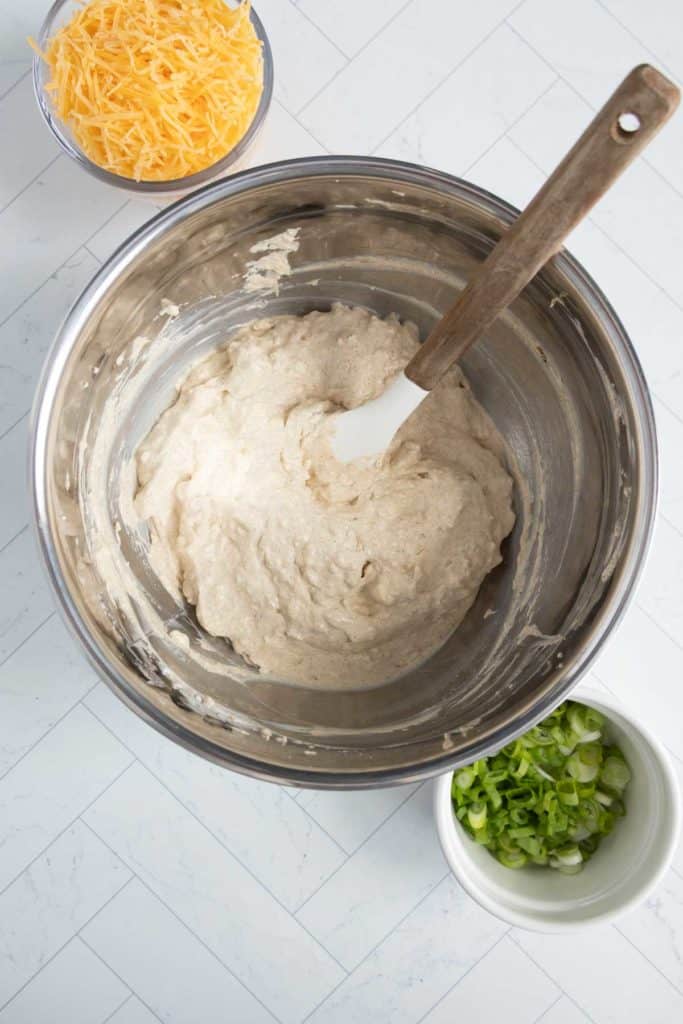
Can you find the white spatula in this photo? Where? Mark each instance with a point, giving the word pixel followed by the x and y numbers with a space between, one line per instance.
pixel 626 124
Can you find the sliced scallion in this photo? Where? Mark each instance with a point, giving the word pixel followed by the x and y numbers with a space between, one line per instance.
pixel 547 798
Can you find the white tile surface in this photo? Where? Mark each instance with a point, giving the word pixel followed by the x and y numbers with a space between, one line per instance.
pixel 429 951
pixel 642 652
pixel 564 1011
pixel 651 23
pixel 593 52
pixel 207 928
pixel 25 602
pixel 520 993
pixel 46 224
pixel 507 172
pixel 13 460
pixel 240 812
pixel 351 817
pixel 31 702
pixel 125 221
pixel 657 929
pixel 261 943
pixel 678 859
pixel 11 73
pixel 477 107
pixel 660 592
pixel 284 138
pixel 20 21
pixel 305 60
pixel 43 793
pixel 47 904
pixel 654 322
pixel 670 437
pixel 358 23
pixel 399 68
pixel 133 1012
pixel 21 163
pixel 27 333
pixel 74 987
pixel 141 938
pixel 382 882
pixel 603 973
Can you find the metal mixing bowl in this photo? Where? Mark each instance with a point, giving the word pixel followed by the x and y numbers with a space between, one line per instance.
pixel 557 374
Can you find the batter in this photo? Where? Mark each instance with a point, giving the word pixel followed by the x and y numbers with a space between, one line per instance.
pixel 319 571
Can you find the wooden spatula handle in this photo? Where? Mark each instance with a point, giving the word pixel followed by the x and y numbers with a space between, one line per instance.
pixel 628 121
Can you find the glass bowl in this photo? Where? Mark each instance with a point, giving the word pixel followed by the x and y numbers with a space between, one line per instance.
pixel 60 14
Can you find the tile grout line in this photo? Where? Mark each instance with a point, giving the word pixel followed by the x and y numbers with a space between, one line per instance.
pixel 133 995
pixel 674 526
pixel 116 973
pixel 539 1019
pixel 636 39
pixel 206 829
pixel 15 537
pixel 376 947
pixel 18 81
pixel 115 1012
pixel 66 828
pixel 48 731
pixel 91 253
pixel 366 840
pixel 549 977
pixel 512 124
pixel 304 808
pixel 15 424
pixel 74 935
pixel 647 959
pixel 462 976
pixel 81 245
pixel 667 407
pixel 450 73
pixel 305 129
pixel 607 235
pixel 653 620
pixel 364 47
pixel 28 184
pixel 184 924
pixel 317 824
pixel 670 751
pixel 26 639
pixel 320 30
pixel 579 95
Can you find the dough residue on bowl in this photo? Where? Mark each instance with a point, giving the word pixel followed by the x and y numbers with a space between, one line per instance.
pixel 321 572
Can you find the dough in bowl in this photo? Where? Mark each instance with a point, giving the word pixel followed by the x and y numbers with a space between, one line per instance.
pixel 320 572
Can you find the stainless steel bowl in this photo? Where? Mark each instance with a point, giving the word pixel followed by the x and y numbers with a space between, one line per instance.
pixel 557 373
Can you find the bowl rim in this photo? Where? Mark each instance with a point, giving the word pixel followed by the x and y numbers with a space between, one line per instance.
pixel 172 186
pixel 559 683
pixel 454 841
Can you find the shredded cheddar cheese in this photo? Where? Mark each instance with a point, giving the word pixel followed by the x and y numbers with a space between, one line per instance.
pixel 156 90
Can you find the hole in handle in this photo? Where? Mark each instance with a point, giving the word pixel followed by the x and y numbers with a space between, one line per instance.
pixel 628 124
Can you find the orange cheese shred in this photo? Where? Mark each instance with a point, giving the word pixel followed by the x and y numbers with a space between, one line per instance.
pixel 156 90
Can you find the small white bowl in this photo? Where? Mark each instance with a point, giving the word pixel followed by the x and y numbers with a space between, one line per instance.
pixel 627 866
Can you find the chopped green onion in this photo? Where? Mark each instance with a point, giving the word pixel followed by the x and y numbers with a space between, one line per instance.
pixel 567 793
pixel 615 774
pixel 512 859
pixel 476 816
pixel 464 778
pixel 584 763
pixel 547 798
